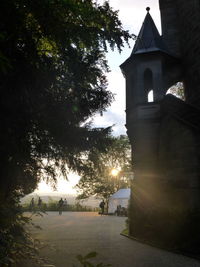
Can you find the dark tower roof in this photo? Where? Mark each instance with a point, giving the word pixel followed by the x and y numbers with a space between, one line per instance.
pixel 149 39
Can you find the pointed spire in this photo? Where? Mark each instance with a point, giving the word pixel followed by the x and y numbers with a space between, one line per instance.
pixel 149 39
pixel 148 9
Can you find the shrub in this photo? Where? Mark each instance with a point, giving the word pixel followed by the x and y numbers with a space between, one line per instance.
pixel 16 242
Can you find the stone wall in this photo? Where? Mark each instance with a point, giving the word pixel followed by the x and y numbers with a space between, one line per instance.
pixel 189 25
pixel 165 201
pixel 181 23
pixel 179 164
pixel 169 23
pixel 166 196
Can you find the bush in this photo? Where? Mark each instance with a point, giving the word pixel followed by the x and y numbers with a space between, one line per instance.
pixel 15 241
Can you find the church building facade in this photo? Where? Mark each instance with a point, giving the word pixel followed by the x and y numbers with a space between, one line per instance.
pixel 163 129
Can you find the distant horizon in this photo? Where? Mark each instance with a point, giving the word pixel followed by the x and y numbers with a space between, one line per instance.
pixel 71 199
pixel 52 193
pixel 63 186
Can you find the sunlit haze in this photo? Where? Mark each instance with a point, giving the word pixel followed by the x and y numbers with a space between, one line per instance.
pixel 63 186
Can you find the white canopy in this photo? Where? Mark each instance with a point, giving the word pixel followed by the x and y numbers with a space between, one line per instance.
pixel 121 197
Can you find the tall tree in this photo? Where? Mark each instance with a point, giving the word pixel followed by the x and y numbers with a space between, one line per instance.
pixel 109 170
pixel 52 79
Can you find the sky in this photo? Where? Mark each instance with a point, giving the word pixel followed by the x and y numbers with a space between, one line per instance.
pixel 131 14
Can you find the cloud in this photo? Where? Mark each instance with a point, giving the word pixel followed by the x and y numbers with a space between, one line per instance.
pixel 110 118
pixel 115 114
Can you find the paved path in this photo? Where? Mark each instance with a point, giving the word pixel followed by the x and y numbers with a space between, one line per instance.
pixel 75 233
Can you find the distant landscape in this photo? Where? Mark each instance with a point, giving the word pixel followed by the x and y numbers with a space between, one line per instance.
pixel 71 199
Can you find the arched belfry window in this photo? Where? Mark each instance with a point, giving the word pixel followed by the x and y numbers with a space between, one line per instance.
pixel 150 96
pixel 148 85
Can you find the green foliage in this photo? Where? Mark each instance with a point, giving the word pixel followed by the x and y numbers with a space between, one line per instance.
pixel 178 90
pixel 16 242
pixel 52 80
pixel 125 232
pixel 52 72
pixel 85 260
pixel 100 181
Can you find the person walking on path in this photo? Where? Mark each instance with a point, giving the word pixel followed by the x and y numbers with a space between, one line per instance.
pixel 60 206
pixel 39 203
pixel 32 204
pixel 101 205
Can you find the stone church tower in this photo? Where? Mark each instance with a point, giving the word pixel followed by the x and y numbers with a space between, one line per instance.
pixel 164 130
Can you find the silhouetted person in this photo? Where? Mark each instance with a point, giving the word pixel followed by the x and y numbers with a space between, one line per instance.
pixel 60 206
pixel 39 203
pixel 101 205
pixel 119 210
pixel 32 204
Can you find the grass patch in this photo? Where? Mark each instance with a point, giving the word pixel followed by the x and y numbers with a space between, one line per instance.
pixel 125 232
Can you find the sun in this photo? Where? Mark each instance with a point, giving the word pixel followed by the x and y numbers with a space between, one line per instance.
pixel 114 172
